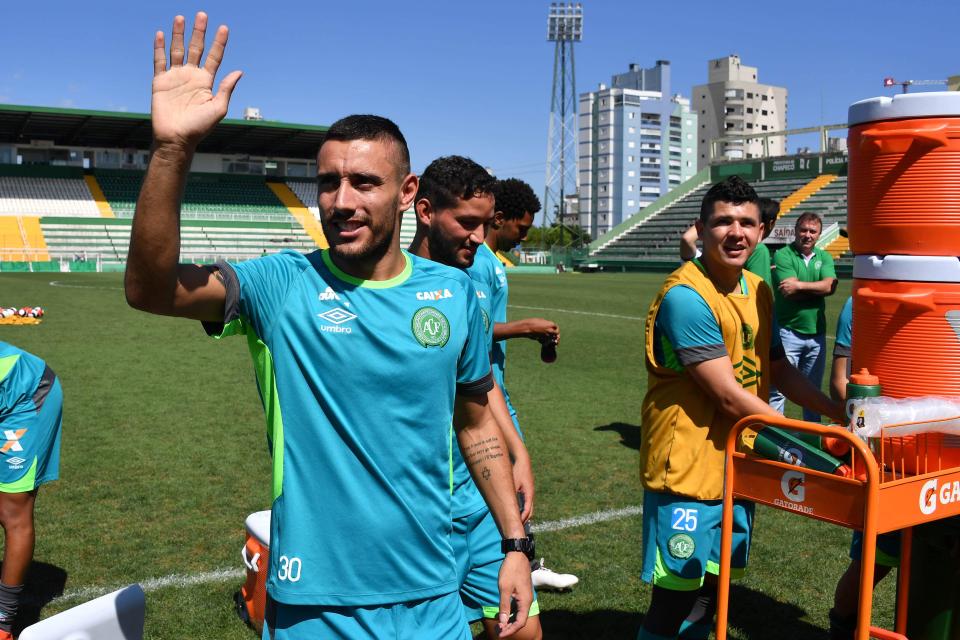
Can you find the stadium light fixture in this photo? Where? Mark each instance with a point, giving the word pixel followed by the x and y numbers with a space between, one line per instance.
pixel 565 22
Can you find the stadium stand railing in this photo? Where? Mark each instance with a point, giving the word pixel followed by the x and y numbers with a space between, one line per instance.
pixel 200 240
pixel 207 196
pixel 224 217
pixel 36 190
pixel 650 239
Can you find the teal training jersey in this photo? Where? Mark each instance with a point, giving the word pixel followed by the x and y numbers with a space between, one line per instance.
pixel 466 497
pixel 21 374
pixel 498 309
pixel 358 380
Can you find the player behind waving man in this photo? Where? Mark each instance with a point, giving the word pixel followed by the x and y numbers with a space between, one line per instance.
pixel 516 205
pixel 454 205
pixel 360 377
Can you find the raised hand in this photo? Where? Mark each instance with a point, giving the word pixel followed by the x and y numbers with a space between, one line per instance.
pixel 183 107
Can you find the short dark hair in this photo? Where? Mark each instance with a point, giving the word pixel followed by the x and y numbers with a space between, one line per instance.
pixel 769 210
pixel 734 190
pixel 515 198
pixel 370 127
pixel 806 216
pixel 451 177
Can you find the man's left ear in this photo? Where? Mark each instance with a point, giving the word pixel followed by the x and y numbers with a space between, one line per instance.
pixel 424 210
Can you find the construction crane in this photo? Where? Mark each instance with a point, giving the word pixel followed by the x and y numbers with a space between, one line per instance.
pixel 906 84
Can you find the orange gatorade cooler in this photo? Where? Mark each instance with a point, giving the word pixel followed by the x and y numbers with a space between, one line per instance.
pixel 252 599
pixel 906 328
pixel 903 183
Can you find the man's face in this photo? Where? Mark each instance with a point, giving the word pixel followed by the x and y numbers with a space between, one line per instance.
pixel 454 234
pixel 361 193
pixel 731 233
pixel 808 232
pixel 514 231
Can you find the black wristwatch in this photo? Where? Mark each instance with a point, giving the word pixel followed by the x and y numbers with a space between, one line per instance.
pixel 523 545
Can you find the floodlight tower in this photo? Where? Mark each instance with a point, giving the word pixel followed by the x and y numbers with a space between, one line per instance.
pixel 565 28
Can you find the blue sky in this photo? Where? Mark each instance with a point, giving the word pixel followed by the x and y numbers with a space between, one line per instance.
pixel 472 78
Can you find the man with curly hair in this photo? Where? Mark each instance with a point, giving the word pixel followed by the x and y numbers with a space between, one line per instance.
pixel 454 206
pixel 515 208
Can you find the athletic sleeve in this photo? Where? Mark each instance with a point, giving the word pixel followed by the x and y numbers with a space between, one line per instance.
pixel 827 270
pixel 498 289
pixel 844 341
pixel 783 266
pixel 474 376
pixel 689 327
pixel 255 291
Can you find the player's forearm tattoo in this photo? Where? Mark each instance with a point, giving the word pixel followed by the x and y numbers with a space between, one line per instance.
pixel 485 450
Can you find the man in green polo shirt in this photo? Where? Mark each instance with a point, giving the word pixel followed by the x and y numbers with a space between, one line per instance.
pixel 803 278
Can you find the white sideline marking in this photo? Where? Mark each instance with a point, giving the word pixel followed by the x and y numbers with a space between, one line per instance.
pixel 57 283
pixel 223 575
pixel 152 584
pixel 589 518
pixel 579 313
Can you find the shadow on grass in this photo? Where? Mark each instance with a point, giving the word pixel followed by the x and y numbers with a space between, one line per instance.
pixel 629 433
pixel 761 617
pixel 44 583
pixel 756 615
pixel 559 624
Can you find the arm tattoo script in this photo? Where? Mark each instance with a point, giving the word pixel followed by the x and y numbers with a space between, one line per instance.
pixel 484 450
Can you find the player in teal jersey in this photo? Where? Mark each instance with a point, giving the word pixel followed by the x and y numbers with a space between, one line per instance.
pixel 454 205
pixel 364 354
pixel 31 411
pixel 516 206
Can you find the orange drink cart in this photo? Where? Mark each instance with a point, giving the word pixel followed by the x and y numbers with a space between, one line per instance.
pixel 885 492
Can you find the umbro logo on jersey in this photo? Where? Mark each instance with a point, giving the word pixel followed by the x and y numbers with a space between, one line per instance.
pixel 16 463
pixel 328 295
pixel 439 294
pixel 337 317
pixel 13 440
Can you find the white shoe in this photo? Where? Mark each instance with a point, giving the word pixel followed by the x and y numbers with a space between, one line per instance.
pixel 545 579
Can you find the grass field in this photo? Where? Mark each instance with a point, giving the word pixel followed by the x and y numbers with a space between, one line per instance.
pixel 164 456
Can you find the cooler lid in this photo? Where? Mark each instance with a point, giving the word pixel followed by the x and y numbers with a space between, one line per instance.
pixel 905 105
pixel 907 268
pixel 258 526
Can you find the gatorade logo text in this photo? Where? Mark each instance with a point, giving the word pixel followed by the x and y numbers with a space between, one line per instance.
pixel 932 494
pixel 793 486
pixel 928 497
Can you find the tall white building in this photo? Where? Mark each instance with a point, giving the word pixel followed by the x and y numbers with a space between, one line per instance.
pixel 636 142
pixel 733 102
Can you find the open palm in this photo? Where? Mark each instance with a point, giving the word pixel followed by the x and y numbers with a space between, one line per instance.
pixel 184 108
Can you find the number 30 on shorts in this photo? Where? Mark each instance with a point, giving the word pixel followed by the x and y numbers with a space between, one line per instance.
pixel 684 519
pixel 289 569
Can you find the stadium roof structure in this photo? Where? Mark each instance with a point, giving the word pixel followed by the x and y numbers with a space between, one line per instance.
pixel 118 129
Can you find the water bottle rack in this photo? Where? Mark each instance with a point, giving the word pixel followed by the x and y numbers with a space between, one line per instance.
pixel 879 498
